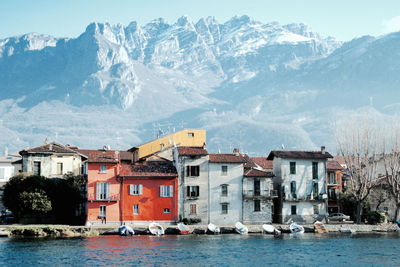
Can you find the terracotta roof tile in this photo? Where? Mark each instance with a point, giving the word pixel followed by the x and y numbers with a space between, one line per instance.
pixel 333 165
pixel 49 148
pixel 263 162
pixel 226 158
pixel 109 157
pixel 192 151
pixel 249 162
pixel 286 154
pixel 258 173
pixel 149 170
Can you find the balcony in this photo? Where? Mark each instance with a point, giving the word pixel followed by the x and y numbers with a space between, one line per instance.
pixel 111 198
pixel 260 194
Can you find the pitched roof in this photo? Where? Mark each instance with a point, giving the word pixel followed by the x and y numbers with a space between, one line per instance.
pixel 49 148
pixel 166 170
pixel 287 154
pixel 258 173
pixel 333 165
pixel 10 158
pixel 263 162
pixel 226 158
pixel 249 162
pixel 106 157
pixel 192 151
pixel 123 155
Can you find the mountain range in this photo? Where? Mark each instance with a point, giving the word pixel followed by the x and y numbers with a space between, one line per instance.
pixel 252 85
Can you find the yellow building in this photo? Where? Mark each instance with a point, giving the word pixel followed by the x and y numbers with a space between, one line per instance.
pixel 187 137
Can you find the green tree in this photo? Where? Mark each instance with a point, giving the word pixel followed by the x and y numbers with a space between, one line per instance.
pixel 34 203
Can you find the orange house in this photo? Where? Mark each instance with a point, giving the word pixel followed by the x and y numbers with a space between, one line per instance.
pixel 334 184
pixel 103 188
pixel 149 192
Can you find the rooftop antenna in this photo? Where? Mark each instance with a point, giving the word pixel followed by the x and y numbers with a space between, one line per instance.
pixel 283 146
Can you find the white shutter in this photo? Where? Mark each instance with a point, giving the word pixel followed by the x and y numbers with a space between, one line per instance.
pixel 107 190
pixel 131 189
pixel 171 190
pixel 161 191
pixel 140 189
pixel 98 190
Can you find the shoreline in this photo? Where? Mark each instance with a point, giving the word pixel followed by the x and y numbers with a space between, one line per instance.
pixel 66 231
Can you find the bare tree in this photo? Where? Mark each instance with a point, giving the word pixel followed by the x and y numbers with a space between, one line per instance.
pixel 357 140
pixel 391 163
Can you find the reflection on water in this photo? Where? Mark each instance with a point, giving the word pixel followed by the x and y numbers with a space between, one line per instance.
pixel 224 250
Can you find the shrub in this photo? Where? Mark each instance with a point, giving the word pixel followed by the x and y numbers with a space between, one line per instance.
pixel 374 217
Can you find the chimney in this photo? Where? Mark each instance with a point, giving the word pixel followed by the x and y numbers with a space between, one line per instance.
pixel 46 141
pixel 6 152
pixel 204 145
pixel 236 151
pixel 51 147
pixel 323 150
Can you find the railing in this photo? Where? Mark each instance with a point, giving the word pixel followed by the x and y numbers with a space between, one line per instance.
pixel 93 197
pixel 260 193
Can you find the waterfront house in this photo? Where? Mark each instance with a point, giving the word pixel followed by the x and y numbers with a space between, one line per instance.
pixel 103 187
pixel 334 184
pixel 52 160
pixel 10 164
pixel 149 191
pixel 225 188
pixel 192 166
pixel 300 178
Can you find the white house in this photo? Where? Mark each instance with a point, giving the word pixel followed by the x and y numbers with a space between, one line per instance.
pixel 52 160
pixel 300 178
pixel 225 188
pixel 10 164
pixel 192 166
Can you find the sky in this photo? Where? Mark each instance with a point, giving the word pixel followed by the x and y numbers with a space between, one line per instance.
pixel 343 19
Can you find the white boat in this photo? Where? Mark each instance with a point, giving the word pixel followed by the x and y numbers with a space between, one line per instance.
pixel 156 229
pixel 347 230
pixel 212 228
pixel 296 229
pixel 183 228
pixel 125 230
pixel 241 229
pixel 269 229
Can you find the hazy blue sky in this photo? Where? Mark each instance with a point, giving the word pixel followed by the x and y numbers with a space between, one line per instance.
pixel 344 19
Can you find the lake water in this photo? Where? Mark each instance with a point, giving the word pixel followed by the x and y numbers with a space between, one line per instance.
pixel 223 250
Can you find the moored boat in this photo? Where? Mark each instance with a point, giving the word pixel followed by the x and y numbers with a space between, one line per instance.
pixel 125 230
pixel 183 228
pixel 319 227
pixel 241 228
pixel 156 229
pixel 213 229
pixel 296 229
pixel 269 229
pixel 346 230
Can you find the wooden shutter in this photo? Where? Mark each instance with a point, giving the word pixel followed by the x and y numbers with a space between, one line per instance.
pixel 188 191
pixel 140 189
pixel 107 190
pixel 171 190
pixel 198 191
pixel 187 170
pixel 161 191
pixel 131 189
pixel 97 190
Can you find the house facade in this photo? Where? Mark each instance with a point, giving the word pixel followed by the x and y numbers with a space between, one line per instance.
pixel 334 184
pixel 225 188
pixel 10 164
pixel 193 168
pixel 52 160
pixel 300 179
pixel 149 192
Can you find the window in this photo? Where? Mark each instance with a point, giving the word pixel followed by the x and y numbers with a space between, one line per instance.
pixel 293 188
pixel 166 191
pixel 192 170
pixel 224 190
pixel 224 170
pixel 192 208
pixel 257 205
pixel 136 209
pixel 292 167
pixel 167 210
pixel 332 194
pixel 59 168
pixel 257 187
pixel 316 209
pixel 294 209
pixel 315 190
pixel 102 212
pixel 193 191
pixel 135 189
pixel 36 168
pixel 332 178
pixel 103 169
pixel 224 208
pixel 103 191
pixel 190 134
pixel 315 170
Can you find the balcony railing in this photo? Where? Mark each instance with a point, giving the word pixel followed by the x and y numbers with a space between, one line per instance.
pixel 260 193
pixel 93 197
